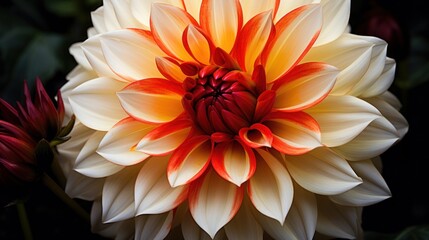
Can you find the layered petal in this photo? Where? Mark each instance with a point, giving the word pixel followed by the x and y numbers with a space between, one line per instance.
pixel 191 230
pixel 141 10
pixel 252 8
pixel 154 226
pixel 336 15
pixel 198 44
pixel 83 187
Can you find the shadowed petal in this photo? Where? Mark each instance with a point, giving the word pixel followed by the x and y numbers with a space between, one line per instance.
pixel 191 230
pixel 153 226
pixel 83 187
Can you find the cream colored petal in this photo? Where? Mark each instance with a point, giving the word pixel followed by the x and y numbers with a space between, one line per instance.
pixel 342 118
pixel 390 98
pixel 372 190
pixel 76 51
pixel 90 163
pixel 338 221
pixel 83 187
pixel 379 136
pixel 123 12
pixel 153 193
pixel 110 18
pixel 153 226
pixel 131 54
pixel 252 8
pixel 191 230
pixel 197 44
pixel 97 18
pixel 383 82
pixel 336 15
pixel 141 9
pixel 322 171
pixel 118 195
pixel 286 6
pixel 95 103
pixel 270 189
pixel 213 202
pixel 193 7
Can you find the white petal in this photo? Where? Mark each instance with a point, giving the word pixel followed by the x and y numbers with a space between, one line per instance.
pixel 191 230
pixel 153 226
pixel 95 103
pixel 153 193
pixel 118 195
pixel 118 146
pixel 123 12
pixel 323 172
pixel 110 19
pixel 336 15
pixel 141 9
pixel 78 54
pixel 383 82
pixel 270 188
pixel 286 6
pixel 342 118
pixel 82 187
pixel 97 18
pixel 90 163
pixel 372 190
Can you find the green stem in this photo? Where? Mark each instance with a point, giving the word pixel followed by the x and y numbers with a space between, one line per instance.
pixel 22 213
pixel 57 190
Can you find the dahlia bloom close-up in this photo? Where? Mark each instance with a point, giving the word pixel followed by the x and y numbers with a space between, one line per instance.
pixel 228 119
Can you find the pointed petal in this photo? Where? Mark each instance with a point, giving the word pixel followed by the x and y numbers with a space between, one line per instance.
pixel 118 146
pixel 342 118
pixel 191 230
pixel 189 160
pixel 141 10
pixel 295 34
pixel 213 202
pixel 304 86
pixel 336 15
pixel 252 8
pixel 294 133
pixel 123 13
pixel 234 162
pixel 270 189
pixel 127 50
pixel 167 24
pixel 104 110
pixel 322 171
pixel 118 192
pixel 221 19
pixel 383 82
pixel 287 6
pixel 372 190
pixel 258 135
pixel 153 226
pixel 198 45
pixel 170 69
pixel 165 138
pixel 90 163
pixel 76 51
pixel 83 187
pixel 152 100
pixel 153 193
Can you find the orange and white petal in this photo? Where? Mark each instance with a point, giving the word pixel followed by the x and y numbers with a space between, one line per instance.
pixel 189 160
pixel 153 226
pixel 372 190
pixel 104 109
pixel 90 163
pixel 83 187
pixel 291 41
pixel 286 6
pixel 300 222
pixel 119 144
pixel 170 69
pixel 304 86
pixel 221 19
pixel 374 140
pixel 252 39
pixel 252 8
pixel 294 133
pixel 193 7
pixel 198 44
pixel 234 161
pixel 383 82
pixel 257 135
pixel 322 171
pixel 117 202
pixel 342 118
pixel 338 221
pixel 336 15
pixel 213 202
pixel 130 53
pixel 141 10
pixel 152 100
pixel 165 138
pixel 167 24
pixel 191 230
pixel 271 189
pixel 123 13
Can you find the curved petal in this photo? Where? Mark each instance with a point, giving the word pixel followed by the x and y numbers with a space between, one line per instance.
pixel 123 13
pixel 323 172
pixel 117 197
pixel 90 163
pixel 374 140
pixel 76 51
pixel 167 23
pixel 198 45
pixel 165 138
pixel 336 15
pixel 383 82
pixel 295 34
pixel 286 6
pixel 221 19
pixel 189 160
pixel 257 135
pixel 153 193
pixel 105 109
pixel 152 100
pixel 234 162
pixel 294 133
pixel 252 8
pixel 83 187
pixel 126 52
pixel 304 86
pixel 270 189
pixel 342 118
pixel 141 10
pixel 153 226
pixel 372 190
pixel 338 221
pixel 118 146
pixel 191 230
pixel 170 69
pixel 213 202
pixel 110 19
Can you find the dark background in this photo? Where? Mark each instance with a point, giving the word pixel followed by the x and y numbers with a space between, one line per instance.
pixel 34 39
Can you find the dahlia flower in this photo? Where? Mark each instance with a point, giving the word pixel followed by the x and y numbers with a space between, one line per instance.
pixel 235 119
